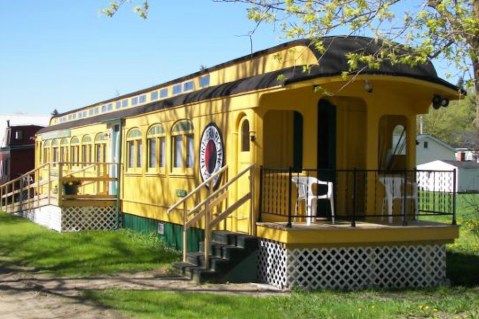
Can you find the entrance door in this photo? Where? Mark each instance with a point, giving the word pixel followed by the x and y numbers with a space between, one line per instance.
pixel 242 216
pixel 326 157
pixel 114 157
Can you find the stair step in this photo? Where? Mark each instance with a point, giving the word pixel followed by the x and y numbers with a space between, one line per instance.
pixel 229 253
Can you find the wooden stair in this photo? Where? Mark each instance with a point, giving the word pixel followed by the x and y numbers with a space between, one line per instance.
pixel 233 258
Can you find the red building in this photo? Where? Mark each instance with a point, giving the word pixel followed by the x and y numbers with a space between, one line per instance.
pixel 17 152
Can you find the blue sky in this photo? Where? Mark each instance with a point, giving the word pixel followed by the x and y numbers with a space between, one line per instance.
pixel 63 54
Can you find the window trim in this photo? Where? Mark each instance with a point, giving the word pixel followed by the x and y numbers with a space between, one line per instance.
pixel 183 131
pixel 156 133
pixel 134 151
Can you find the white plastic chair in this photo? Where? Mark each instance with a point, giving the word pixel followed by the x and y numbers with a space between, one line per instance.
pixel 393 188
pixel 304 186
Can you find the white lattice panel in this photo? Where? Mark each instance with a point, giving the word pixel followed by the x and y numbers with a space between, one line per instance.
pixel 352 267
pixel 272 261
pixel 88 218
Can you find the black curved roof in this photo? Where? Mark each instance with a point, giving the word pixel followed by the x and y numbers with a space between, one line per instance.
pixel 331 63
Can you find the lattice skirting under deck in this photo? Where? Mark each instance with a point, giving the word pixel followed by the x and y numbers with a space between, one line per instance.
pixel 72 219
pixel 88 218
pixel 352 267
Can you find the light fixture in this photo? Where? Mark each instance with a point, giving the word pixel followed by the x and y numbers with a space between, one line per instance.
pixel 252 136
pixel 368 86
pixel 438 101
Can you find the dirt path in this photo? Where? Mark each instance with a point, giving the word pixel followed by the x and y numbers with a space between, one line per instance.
pixel 26 295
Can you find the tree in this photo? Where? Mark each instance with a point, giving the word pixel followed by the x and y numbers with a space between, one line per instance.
pixel 433 29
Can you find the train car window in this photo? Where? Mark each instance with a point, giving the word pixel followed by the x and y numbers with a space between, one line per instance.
pixel 64 150
pixel 86 147
pixel 134 101
pixel 164 93
pixel 134 149
pixel 205 81
pixel 46 151
pixel 392 142
pixel 155 138
pixel 176 89
pixel 245 145
pixel 100 147
pixel 74 150
pixel 182 144
pixel 188 86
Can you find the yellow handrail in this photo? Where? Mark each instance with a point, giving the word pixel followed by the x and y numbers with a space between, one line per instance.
pixel 213 199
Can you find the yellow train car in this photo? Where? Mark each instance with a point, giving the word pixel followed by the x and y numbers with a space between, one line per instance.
pixel 314 167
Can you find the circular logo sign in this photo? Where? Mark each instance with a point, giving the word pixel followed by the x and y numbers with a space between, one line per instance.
pixel 211 153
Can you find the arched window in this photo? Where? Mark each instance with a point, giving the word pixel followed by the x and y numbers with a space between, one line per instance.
pixel 245 145
pixel 74 150
pixel 182 147
pixel 156 143
pixel 100 147
pixel 134 149
pixel 86 150
pixel 392 142
pixel 64 150
pixel 46 151
pixel 55 151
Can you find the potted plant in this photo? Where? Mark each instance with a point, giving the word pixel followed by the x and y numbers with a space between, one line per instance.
pixel 70 187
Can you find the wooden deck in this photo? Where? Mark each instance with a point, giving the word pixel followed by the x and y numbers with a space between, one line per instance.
pixel 325 234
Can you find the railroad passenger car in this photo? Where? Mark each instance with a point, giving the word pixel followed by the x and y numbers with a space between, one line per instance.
pixel 310 170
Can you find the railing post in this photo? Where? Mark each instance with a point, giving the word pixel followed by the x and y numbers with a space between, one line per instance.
pixel 454 222
pixel 260 213
pixel 252 222
pixel 353 221
pixel 49 187
pixel 20 195
pixel 404 200
pixel 60 184
pixel 290 176
pixel 207 225
pixel 185 245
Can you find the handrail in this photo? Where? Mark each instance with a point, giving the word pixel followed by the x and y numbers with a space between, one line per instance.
pixel 8 197
pixel 206 182
pixel 214 198
pixel 26 188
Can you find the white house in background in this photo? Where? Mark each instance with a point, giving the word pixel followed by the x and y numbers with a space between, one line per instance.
pixel 467 176
pixel 430 148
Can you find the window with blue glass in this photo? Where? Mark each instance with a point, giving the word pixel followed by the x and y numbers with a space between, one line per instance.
pixel 103 108
pixel 188 86
pixel 142 98
pixel 154 96
pixel 205 81
pixel 164 93
pixel 134 100
pixel 176 89
pixel 124 103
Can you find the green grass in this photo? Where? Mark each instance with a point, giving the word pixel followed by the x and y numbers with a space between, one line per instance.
pixel 437 303
pixel 79 254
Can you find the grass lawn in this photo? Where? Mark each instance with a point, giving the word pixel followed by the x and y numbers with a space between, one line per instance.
pixel 91 253
pixel 79 254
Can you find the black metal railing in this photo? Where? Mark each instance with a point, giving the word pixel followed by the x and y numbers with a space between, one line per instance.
pixel 392 196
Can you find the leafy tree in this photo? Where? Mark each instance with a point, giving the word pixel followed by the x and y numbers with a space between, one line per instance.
pixel 434 29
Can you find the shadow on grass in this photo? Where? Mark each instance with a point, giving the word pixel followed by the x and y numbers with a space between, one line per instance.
pixel 462 269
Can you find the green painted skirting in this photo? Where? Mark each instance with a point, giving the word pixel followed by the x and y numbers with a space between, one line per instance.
pixel 172 233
